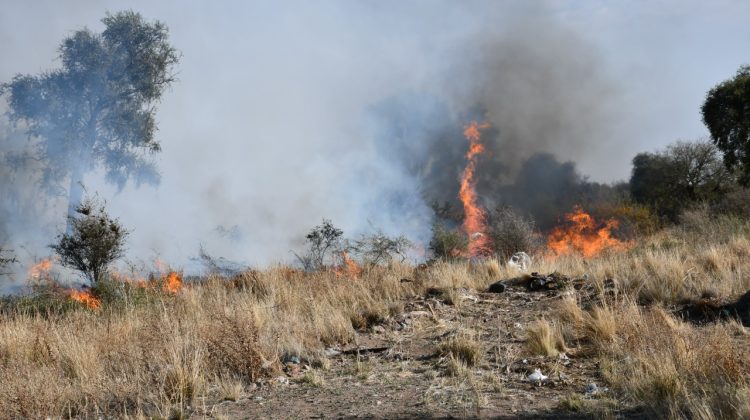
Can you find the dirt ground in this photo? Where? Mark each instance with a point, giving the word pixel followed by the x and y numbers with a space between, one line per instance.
pixel 397 370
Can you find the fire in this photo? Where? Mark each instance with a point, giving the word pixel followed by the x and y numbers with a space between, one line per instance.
pixel 348 267
pixel 474 224
pixel 172 282
pixel 41 270
pixel 352 268
pixel 86 298
pixel 584 236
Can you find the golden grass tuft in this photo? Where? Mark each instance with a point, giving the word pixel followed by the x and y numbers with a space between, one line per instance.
pixel 464 347
pixel 544 338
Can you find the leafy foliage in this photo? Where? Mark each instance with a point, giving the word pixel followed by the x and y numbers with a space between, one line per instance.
pixel 447 243
pixel 94 241
pixel 378 248
pixel 678 177
pixel 511 232
pixel 99 108
pixel 726 113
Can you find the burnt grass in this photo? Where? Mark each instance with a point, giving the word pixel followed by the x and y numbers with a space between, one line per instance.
pixel 396 369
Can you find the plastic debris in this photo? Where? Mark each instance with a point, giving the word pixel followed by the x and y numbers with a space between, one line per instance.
pixel 537 376
pixel 520 260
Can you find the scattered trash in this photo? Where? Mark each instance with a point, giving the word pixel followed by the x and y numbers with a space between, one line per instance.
pixel 537 376
pixel 520 261
pixel 554 281
pixel 592 389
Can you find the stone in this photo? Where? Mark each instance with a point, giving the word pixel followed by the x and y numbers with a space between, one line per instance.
pixel 497 287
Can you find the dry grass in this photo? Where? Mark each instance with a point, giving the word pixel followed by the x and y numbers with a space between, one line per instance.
pixel 544 338
pixel 157 357
pixel 464 348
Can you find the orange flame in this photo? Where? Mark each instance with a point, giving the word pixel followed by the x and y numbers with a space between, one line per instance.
pixel 41 269
pixel 86 298
pixel 136 281
pixel 348 267
pixel 584 236
pixel 352 268
pixel 474 224
pixel 172 282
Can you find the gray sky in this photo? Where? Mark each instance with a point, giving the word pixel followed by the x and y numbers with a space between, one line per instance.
pixel 267 127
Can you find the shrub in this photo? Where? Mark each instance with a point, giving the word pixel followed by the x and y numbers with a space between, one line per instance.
pixel 511 232
pixel 323 241
pixel 447 243
pixel 94 241
pixel 378 248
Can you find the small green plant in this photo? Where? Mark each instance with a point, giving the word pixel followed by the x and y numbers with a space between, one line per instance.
pixel 447 244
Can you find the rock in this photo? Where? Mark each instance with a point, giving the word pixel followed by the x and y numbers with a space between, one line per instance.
pixel 537 376
pixel 330 352
pixel 291 359
pixel 282 380
pixel 520 261
pixel 591 389
pixel 497 287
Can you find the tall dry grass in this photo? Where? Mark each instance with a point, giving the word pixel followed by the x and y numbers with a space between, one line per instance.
pixel 163 356
pixel 159 357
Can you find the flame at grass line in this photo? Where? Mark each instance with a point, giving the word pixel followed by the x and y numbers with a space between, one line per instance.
pixel 583 235
pixel 41 270
pixel 348 267
pixel 474 225
pixel 86 298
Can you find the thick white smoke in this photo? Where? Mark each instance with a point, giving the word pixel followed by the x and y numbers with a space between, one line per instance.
pixel 276 120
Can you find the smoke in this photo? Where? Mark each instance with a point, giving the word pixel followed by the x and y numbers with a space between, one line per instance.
pixel 284 114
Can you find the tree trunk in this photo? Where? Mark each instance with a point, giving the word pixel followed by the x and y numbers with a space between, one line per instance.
pixel 75 194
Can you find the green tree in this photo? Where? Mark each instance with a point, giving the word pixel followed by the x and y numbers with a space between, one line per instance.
pixel 678 177
pixel 98 109
pixel 94 241
pixel 726 113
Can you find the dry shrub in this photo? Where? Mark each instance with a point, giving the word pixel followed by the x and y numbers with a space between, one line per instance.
pixel 464 348
pixel 234 349
pixel 544 338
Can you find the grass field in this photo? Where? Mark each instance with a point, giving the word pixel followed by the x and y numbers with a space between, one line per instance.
pixel 149 353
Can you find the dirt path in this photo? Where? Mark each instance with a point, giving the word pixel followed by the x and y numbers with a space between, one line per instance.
pixel 398 371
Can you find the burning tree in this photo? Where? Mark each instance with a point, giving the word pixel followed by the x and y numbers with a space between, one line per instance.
pixel 99 108
pixel 93 242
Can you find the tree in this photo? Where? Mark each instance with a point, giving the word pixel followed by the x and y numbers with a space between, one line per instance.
pixel 98 109
pixel 379 248
pixel 93 242
pixel 678 177
pixel 6 258
pixel 726 113
pixel 323 240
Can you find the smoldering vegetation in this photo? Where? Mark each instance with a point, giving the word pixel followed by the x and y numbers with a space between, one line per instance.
pixel 516 76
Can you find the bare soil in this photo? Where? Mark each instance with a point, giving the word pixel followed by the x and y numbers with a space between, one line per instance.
pixel 396 370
